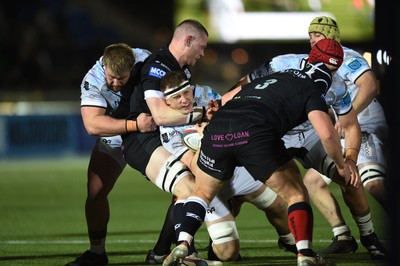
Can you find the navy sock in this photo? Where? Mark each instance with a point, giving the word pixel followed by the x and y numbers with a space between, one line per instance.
pixel 167 235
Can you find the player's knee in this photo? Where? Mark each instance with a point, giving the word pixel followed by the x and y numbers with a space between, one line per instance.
pixel 376 186
pixel 97 189
pixel 172 171
pixel 371 173
pixel 228 251
pixel 225 239
pixel 314 181
pixel 265 199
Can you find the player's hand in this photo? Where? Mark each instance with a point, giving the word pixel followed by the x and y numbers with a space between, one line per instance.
pixel 350 173
pixel 355 179
pixel 145 123
pixel 200 128
pixel 339 129
pixel 213 106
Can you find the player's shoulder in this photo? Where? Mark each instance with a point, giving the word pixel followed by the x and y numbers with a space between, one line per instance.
pixel 95 77
pixel 290 57
pixel 141 54
pixel 353 61
pixel 285 61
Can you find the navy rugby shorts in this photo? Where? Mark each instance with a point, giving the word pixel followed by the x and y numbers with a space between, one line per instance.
pixel 138 147
pixel 227 144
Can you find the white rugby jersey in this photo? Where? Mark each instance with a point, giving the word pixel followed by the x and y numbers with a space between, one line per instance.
pixel 354 65
pixel 343 88
pixel 94 91
pixel 171 135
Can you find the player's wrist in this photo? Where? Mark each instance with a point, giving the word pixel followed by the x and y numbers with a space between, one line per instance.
pixel 351 154
pixel 131 126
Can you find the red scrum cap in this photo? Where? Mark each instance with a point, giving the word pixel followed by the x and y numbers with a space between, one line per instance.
pixel 327 51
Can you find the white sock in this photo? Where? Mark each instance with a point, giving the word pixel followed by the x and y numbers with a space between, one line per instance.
pixel 364 224
pixel 341 230
pixel 288 239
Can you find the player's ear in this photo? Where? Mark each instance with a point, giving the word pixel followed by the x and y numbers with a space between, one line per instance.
pixel 189 40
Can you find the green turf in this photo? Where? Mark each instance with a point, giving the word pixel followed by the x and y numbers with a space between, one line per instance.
pixel 42 219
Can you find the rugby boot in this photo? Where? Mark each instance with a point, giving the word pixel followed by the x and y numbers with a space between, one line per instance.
pixel 287 247
pixel 375 248
pixel 177 255
pixel 195 260
pixel 341 244
pixel 89 259
pixel 152 258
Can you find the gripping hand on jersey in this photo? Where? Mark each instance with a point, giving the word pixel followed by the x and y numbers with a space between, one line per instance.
pixel 145 123
pixel 213 106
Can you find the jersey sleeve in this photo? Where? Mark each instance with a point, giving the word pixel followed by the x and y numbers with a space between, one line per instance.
pixel 278 64
pixel 203 94
pixel 316 101
pixel 91 87
pixel 354 65
pixel 140 54
pixel 151 76
pixel 338 97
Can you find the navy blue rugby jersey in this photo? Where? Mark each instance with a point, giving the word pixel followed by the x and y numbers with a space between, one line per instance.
pixel 283 99
pixel 153 69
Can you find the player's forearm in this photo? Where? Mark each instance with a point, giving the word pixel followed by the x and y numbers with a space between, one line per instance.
pixel 333 150
pixel 172 117
pixel 352 142
pixel 169 117
pixel 103 125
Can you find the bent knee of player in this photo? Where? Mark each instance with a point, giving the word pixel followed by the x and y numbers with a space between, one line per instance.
pixel 375 186
pixel 278 206
pixel 225 239
pixel 228 251
pixel 267 199
pixel 314 181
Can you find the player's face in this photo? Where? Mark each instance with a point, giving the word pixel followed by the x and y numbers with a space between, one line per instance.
pixel 197 45
pixel 315 37
pixel 182 101
pixel 116 82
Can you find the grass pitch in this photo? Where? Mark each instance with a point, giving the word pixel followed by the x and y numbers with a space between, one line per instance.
pixel 42 219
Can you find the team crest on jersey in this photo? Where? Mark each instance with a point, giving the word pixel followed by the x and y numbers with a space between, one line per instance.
pixel 87 85
pixel 156 72
pixel 355 64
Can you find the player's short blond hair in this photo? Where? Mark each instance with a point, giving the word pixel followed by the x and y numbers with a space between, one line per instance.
pixel 119 58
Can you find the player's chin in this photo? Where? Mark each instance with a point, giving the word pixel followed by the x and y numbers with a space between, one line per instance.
pixel 116 88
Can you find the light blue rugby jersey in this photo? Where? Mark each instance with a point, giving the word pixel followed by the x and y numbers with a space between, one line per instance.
pixel 94 91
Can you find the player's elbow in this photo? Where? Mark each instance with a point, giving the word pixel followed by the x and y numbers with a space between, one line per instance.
pixel 92 131
pixel 329 136
pixel 160 120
